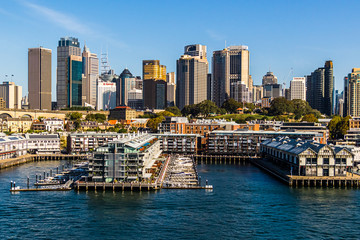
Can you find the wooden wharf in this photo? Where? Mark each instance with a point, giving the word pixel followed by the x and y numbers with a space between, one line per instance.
pixel 10 162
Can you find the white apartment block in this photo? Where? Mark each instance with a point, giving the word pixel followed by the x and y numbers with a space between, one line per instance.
pixel 298 88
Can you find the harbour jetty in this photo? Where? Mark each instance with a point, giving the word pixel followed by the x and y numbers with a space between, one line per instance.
pixel 10 162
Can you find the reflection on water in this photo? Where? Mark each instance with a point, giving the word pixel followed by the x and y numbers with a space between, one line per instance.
pixel 245 203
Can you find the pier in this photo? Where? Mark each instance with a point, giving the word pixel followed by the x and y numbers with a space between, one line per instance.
pixel 221 159
pixel 103 186
pixel 349 181
pixel 5 163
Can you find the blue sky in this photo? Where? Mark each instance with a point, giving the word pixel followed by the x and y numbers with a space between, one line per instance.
pixel 293 38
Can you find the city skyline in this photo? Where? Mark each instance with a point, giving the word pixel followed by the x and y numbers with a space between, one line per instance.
pixel 262 29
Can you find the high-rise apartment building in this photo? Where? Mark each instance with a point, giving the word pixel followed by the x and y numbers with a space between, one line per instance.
pixel 320 89
pixel 11 94
pixel 68 46
pixel 153 70
pixel 230 68
pixel 39 78
pixel 298 88
pixel 90 76
pixel 353 93
pixel 269 78
pixel 191 74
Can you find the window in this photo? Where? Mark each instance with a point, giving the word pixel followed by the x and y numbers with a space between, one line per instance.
pixel 337 161
pixel 326 161
pixel 343 161
pixel 308 160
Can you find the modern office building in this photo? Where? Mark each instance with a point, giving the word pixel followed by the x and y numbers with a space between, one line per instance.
pixel 257 93
pixel 68 46
pixel 240 92
pixel 90 76
pixel 196 50
pixel 106 95
pixel 272 91
pixel 346 96
pixel 320 89
pixel 298 88
pixel 191 72
pixel 39 78
pixel 269 78
pixel 153 70
pixel 230 66
pixel 209 87
pixel 155 94
pixel 135 98
pixel 74 86
pixel 287 94
pixel 124 84
pixel 11 94
pixel 170 77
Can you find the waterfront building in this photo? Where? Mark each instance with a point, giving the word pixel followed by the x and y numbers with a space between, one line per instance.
pixel 308 158
pixel 67 46
pixel 88 141
pixel 53 124
pixel 229 66
pixel 106 95
pixel 43 143
pixel 38 125
pixel 298 88
pixel 128 159
pixel 320 87
pixel 180 143
pixel 39 78
pixel 269 78
pixel 90 76
pixel 244 142
pixel 173 125
pixel 320 129
pixel 12 146
pixel 11 94
pixel 153 70
pixel 191 75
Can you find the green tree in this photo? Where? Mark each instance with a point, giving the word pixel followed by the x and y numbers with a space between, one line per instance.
pixel 174 109
pixel 207 107
pixel 90 117
pixel 250 106
pixel 338 127
pixel 192 110
pixel 280 106
pixel 74 116
pixel 231 105
pixel 77 124
pixel 309 118
pixel 300 108
pixel 154 122
pixel 165 114
pixel 100 117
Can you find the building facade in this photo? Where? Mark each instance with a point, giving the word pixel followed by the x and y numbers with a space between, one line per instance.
pixel 153 70
pixel 90 76
pixel 269 78
pixel 68 46
pixel 39 78
pixel 106 95
pixel 154 94
pixel 191 72
pixel 11 94
pixel 298 88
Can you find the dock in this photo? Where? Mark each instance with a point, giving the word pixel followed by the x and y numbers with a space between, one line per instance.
pixel 350 180
pixel 132 186
pixel 6 163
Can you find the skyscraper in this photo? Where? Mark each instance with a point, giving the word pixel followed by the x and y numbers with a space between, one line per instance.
pixel 230 68
pixel 154 85
pixel 74 86
pixel 39 78
pixel 298 88
pixel 11 94
pixel 320 89
pixel 171 88
pixel 269 78
pixel 124 84
pixel 67 46
pixel 153 70
pixel 353 93
pixel 191 74
pixel 90 76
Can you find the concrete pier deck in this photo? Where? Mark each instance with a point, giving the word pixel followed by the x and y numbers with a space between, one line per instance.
pixel 81 185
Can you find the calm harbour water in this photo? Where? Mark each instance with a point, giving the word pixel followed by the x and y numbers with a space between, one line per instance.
pixel 246 203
